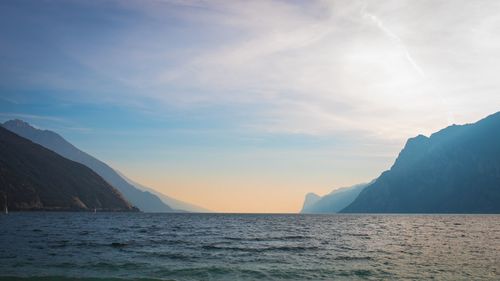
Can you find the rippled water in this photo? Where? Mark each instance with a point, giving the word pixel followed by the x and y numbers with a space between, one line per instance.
pixel 248 247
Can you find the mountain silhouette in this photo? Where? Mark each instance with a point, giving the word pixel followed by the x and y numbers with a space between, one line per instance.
pixel 145 201
pixel 456 170
pixel 333 202
pixel 35 178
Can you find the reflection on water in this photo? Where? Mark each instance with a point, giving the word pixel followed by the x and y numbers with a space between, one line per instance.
pixel 249 247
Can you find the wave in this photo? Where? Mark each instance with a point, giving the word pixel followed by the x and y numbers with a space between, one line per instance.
pixel 259 249
pixel 62 278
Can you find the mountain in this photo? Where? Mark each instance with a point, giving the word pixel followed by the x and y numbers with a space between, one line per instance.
pixel 309 201
pixel 333 202
pixel 144 200
pixel 175 204
pixel 456 170
pixel 35 178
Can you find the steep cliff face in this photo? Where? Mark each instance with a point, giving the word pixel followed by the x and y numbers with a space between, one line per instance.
pixel 456 170
pixel 333 202
pixel 309 201
pixel 35 178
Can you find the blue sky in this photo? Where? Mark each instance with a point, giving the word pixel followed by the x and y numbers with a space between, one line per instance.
pixel 247 106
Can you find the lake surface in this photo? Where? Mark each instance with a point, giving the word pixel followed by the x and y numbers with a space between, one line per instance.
pixel 130 246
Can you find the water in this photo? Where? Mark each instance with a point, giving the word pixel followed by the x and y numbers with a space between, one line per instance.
pixel 62 246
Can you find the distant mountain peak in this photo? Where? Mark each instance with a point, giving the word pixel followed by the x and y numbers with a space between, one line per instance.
pixel 332 202
pixel 18 123
pixel 36 178
pixel 312 195
pixel 310 200
pixel 144 200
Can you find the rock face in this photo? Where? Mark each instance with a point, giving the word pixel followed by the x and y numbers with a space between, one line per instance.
pixel 35 178
pixel 332 202
pixel 144 200
pixel 309 201
pixel 456 170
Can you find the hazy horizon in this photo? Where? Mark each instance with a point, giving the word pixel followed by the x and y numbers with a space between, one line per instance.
pixel 247 106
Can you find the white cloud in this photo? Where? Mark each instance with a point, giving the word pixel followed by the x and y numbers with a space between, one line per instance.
pixel 390 69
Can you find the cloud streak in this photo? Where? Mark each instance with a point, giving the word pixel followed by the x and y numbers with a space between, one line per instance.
pixel 321 67
pixel 289 96
pixel 395 38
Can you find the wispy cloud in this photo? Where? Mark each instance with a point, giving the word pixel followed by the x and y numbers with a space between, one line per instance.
pixel 394 38
pixel 10 115
pixel 316 67
pixel 302 95
pixel 397 40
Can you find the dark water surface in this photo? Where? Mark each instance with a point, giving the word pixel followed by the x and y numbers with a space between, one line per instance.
pixel 62 246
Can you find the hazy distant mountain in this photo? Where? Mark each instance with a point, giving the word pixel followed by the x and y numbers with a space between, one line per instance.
pixel 172 202
pixel 332 202
pixel 309 201
pixel 144 200
pixel 35 178
pixel 456 170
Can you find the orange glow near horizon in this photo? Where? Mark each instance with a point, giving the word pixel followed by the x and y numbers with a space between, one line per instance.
pixel 230 196
pixel 237 193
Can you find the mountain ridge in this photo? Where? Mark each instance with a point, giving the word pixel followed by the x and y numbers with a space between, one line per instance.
pixel 175 204
pixel 334 201
pixel 455 170
pixel 33 177
pixel 145 201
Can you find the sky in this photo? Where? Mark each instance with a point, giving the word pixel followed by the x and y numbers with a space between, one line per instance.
pixel 246 106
